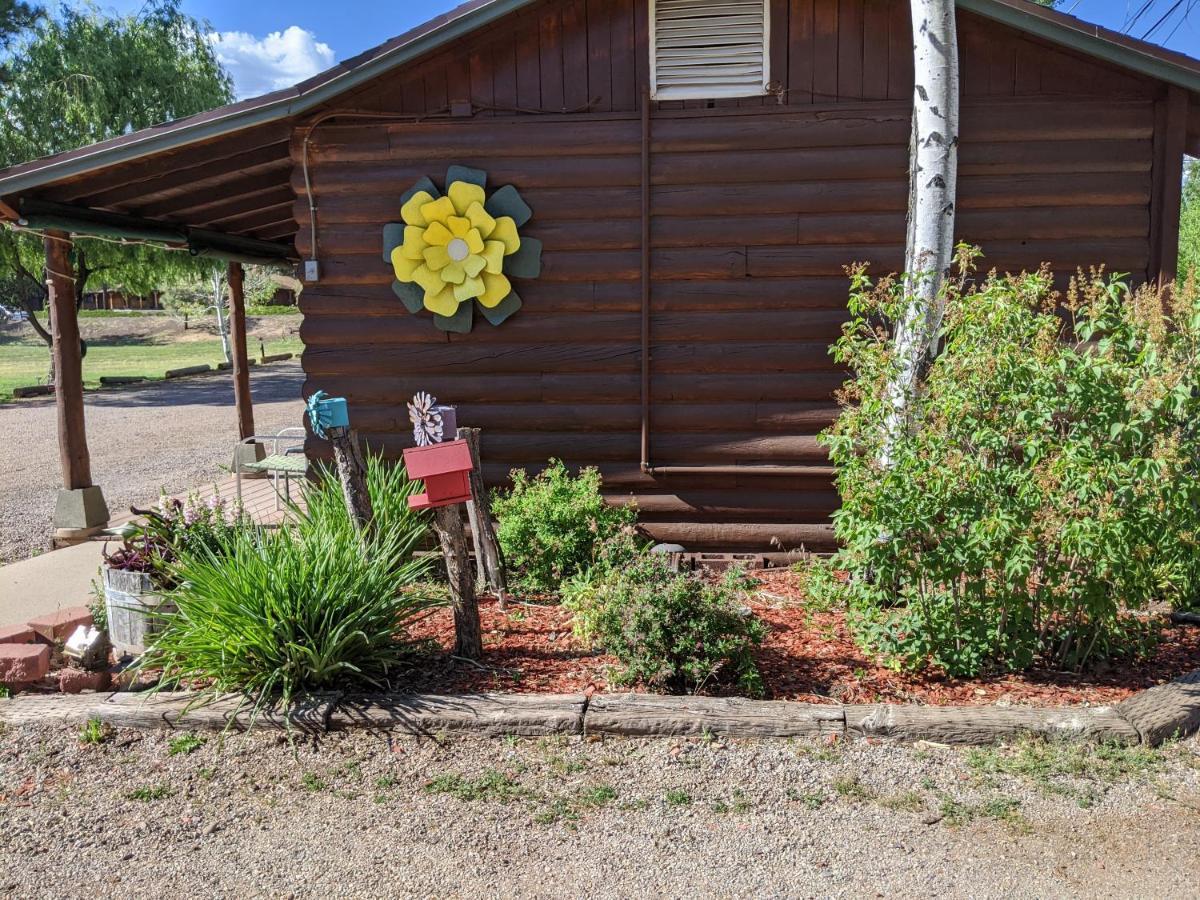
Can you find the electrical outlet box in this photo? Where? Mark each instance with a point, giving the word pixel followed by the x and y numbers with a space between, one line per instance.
pixel 312 270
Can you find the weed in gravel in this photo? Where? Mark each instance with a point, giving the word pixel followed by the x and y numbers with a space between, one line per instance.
pixel 312 782
pixel 150 793
pixel 908 801
pixel 818 754
pixel 811 800
pixel 185 745
pixel 5 693
pixel 635 805
pixel 853 789
pixel 601 795
pixel 1057 767
pixel 1000 809
pixel 383 782
pixel 1039 759
pixel 677 798
pixel 94 732
pixel 208 773
pixel 491 785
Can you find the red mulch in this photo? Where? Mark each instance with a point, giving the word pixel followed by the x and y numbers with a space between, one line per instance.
pixel 807 656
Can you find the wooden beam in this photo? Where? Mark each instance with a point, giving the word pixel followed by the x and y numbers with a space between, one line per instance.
pixel 68 363
pixel 241 366
pixel 1170 139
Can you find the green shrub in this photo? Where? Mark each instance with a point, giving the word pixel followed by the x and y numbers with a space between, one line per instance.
pixel 549 525
pixel 302 608
pixel 674 631
pixel 1043 484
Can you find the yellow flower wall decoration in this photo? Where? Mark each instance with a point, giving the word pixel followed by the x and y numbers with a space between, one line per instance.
pixel 460 249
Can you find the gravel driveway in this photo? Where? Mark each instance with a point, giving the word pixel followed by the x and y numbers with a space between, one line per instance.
pixel 362 815
pixel 171 434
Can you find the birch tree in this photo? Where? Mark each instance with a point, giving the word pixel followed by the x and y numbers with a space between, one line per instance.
pixel 933 175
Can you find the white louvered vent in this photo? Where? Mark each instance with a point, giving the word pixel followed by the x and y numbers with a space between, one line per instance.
pixel 708 48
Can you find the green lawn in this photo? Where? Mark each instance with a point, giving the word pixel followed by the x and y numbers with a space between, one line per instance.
pixel 24 358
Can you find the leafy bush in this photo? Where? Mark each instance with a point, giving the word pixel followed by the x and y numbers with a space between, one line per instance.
pixel 1043 484
pixel 305 607
pixel 676 631
pixel 549 525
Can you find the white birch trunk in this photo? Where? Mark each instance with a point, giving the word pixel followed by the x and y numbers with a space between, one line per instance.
pixel 933 176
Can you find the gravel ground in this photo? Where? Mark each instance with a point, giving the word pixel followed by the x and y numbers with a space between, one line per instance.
pixel 171 434
pixel 361 815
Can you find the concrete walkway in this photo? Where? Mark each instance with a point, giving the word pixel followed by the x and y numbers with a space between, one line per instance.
pixel 49 582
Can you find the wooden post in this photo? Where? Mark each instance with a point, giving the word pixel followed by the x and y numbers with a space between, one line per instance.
pixel 68 363
pixel 241 365
pixel 352 471
pixel 1166 184
pixel 468 637
pixel 483 531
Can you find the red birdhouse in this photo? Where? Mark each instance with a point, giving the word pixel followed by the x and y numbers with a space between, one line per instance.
pixel 444 468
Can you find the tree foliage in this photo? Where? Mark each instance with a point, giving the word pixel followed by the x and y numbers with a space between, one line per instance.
pixel 1046 483
pixel 83 77
pixel 1189 222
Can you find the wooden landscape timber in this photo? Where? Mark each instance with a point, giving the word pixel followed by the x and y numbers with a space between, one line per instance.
pixel 1168 711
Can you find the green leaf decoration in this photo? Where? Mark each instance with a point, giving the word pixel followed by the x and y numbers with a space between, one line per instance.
pixel 501 310
pixel 425 184
pixel 460 322
pixel 467 174
pixel 527 261
pixel 507 202
pixel 393 237
pixel 412 295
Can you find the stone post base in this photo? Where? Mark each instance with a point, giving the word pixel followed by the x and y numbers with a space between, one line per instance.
pixel 79 515
pixel 249 453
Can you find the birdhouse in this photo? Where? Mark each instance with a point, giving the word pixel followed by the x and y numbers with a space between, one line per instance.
pixel 444 468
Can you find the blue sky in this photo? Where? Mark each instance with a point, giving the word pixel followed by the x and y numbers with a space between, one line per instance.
pixel 274 43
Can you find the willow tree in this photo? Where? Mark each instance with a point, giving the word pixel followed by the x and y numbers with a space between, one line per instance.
pixel 84 77
pixel 933 177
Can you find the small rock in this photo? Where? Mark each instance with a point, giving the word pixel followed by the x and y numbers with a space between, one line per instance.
pixel 931 819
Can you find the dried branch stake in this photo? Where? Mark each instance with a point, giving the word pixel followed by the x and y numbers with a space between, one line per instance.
pixel 483 531
pixel 352 471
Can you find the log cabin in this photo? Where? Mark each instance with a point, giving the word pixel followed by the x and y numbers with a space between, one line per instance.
pixel 696 175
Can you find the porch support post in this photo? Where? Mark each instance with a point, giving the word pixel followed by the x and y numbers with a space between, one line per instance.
pixel 1170 138
pixel 80 509
pixel 245 453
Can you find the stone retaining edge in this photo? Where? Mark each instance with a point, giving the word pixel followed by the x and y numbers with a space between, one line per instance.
pixel 1167 711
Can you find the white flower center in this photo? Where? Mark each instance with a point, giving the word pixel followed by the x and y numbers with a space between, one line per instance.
pixel 458 249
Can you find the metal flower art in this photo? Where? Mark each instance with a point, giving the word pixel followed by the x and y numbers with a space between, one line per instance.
pixel 460 249
pixel 426 419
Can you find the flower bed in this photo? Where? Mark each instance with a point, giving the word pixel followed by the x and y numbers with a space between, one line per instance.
pixel 806 656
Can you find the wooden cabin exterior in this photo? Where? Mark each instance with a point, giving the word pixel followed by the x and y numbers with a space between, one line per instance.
pixel 693 368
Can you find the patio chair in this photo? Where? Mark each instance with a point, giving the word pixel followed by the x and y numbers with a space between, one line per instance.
pixel 278 465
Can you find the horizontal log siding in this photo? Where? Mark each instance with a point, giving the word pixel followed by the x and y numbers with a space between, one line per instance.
pixel 755 215
pixel 593 55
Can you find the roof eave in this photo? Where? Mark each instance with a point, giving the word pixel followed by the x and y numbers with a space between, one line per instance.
pixel 324 90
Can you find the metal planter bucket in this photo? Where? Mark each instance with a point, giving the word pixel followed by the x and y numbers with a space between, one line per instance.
pixel 132 604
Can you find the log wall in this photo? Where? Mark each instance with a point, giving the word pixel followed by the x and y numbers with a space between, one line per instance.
pixel 756 208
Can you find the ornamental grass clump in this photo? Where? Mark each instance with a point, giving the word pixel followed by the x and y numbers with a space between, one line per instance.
pixel 674 631
pixel 1043 484
pixel 306 607
pixel 550 525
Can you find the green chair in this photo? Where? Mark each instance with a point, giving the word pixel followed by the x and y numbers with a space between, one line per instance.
pixel 281 464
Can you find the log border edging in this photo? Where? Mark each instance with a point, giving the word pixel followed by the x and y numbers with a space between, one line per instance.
pixel 1160 713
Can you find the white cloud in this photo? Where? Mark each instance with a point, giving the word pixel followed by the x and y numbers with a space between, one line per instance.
pixel 279 60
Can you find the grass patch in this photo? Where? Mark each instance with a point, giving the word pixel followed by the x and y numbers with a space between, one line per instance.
pixel 601 795
pixel 908 801
pixel 312 782
pixel 853 789
pixel 185 745
pixel 491 786
pixel 677 798
pixel 94 732
pixel 998 809
pixel 149 793
pixel 25 359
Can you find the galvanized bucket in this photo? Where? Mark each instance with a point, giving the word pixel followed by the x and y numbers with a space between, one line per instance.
pixel 133 605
